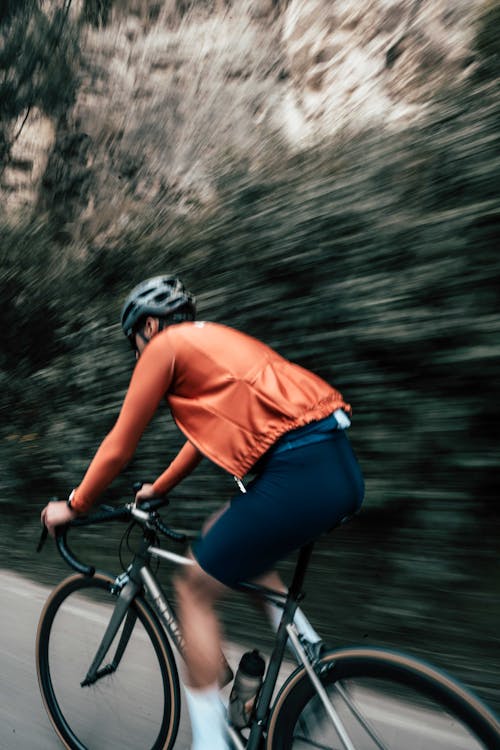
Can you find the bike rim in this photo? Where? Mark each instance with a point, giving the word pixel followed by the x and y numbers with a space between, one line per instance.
pixel 134 707
pixel 381 705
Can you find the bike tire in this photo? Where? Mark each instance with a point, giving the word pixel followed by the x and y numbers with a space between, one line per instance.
pixel 404 703
pixel 136 707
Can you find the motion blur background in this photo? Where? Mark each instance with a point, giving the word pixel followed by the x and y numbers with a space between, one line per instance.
pixel 323 174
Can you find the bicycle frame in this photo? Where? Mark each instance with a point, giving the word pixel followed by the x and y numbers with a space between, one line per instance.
pixel 139 576
pixel 274 716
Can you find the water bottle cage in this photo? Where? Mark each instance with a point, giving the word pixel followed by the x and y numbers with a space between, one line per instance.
pixel 246 688
pixel 240 712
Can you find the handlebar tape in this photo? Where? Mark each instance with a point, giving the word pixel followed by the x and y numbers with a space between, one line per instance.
pixel 68 556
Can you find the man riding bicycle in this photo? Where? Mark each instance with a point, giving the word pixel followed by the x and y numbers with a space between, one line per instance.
pixel 247 409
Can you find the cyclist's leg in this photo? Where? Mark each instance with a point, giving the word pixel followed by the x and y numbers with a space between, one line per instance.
pixel 197 593
pixel 273 580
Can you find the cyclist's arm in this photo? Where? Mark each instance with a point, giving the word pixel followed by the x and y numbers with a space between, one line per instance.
pixel 150 381
pixel 183 464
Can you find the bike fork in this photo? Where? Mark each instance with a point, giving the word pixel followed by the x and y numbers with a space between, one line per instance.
pixel 121 610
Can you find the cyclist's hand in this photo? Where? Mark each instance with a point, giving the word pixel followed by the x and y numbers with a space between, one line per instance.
pixel 145 493
pixel 54 514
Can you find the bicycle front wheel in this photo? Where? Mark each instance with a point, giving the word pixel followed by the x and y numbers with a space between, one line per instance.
pixel 135 707
pixel 381 700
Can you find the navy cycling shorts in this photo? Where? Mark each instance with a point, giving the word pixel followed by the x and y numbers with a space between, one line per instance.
pixel 298 494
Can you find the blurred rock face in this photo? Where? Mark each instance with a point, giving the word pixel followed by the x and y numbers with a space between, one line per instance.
pixel 23 174
pixel 167 89
pixel 355 65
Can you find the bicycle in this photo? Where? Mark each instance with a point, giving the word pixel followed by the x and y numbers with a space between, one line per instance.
pixel 354 698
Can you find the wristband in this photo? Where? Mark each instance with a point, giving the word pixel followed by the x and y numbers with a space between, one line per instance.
pixel 70 499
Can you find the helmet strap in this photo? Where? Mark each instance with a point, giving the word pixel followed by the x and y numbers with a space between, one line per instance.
pixel 143 337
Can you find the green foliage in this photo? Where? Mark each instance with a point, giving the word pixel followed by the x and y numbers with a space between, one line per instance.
pixel 67 179
pixel 96 12
pixel 27 308
pixel 487 43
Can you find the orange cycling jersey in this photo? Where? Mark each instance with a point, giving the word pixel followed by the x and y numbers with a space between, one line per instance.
pixel 230 394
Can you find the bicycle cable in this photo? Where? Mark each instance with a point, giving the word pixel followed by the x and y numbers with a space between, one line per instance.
pixel 125 540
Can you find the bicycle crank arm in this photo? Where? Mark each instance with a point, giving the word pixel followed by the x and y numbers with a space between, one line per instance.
pixel 323 695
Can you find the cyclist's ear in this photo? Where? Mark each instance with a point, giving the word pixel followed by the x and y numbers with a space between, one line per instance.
pixel 151 326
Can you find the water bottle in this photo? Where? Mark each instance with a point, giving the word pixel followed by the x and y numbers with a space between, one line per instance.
pixel 245 688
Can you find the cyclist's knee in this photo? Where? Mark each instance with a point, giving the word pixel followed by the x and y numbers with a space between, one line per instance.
pixel 194 584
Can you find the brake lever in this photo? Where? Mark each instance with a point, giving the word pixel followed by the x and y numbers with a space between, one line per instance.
pixel 45 531
pixel 43 538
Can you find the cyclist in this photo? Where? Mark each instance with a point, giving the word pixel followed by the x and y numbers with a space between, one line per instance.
pixel 249 410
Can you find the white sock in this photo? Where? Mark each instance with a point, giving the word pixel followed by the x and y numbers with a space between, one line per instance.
pixel 208 720
pixel 300 621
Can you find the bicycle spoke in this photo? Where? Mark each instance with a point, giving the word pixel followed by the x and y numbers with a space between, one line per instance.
pixel 346 697
pixel 320 690
pixel 383 701
pixel 311 743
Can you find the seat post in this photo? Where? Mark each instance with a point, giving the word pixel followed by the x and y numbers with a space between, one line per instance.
pixel 300 570
pixel 291 603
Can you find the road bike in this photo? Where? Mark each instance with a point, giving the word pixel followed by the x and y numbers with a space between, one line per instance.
pixel 109 678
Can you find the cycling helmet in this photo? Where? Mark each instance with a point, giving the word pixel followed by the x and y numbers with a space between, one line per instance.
pixel 159 296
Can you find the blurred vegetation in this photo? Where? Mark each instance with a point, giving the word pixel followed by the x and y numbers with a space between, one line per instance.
pixel 488 42
pixel 373 261
pixel 97 12
pixel 38 63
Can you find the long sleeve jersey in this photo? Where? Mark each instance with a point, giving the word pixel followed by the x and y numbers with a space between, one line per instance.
pixel 231 395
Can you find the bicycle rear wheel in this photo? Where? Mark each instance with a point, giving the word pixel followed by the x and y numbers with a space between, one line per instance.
pixel 385 701
pixel 136 707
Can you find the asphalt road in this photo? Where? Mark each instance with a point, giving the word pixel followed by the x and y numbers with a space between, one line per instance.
pixel 23 724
